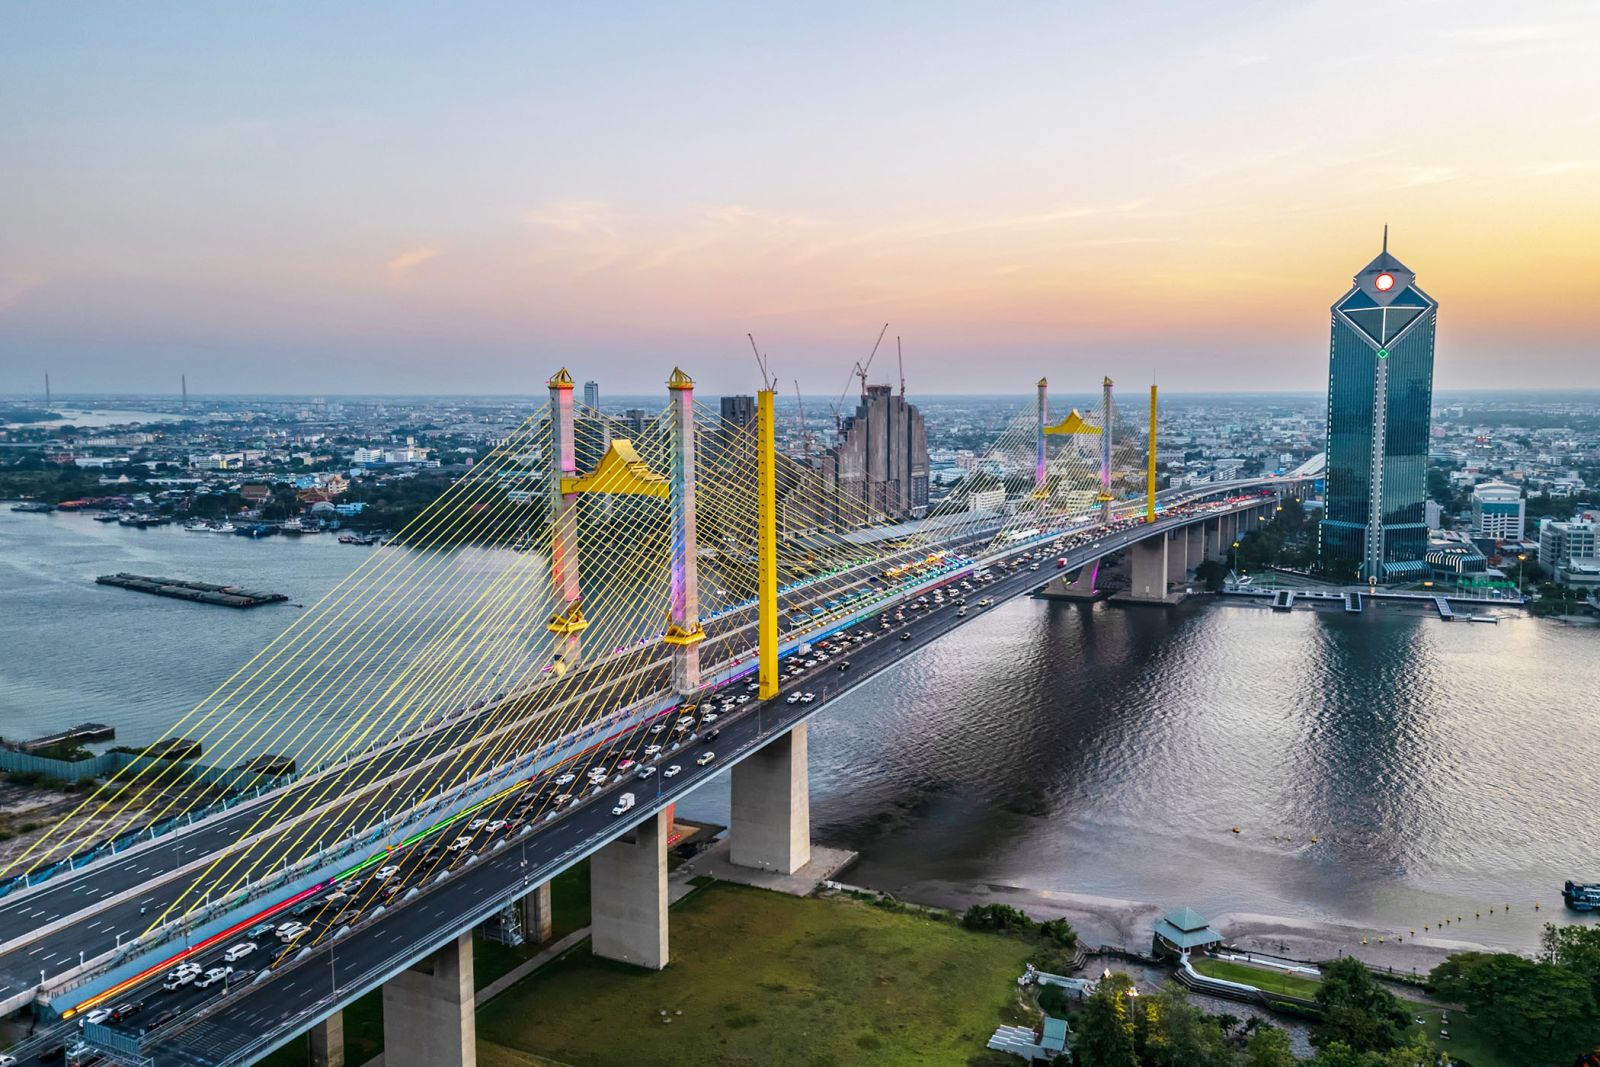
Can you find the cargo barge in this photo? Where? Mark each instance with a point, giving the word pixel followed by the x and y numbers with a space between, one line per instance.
pixel 228 596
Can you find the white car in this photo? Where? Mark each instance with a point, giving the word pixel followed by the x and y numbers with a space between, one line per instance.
pixel 704 758
pixel 460 843
pixel 239 951
pixel 806 698
pixel 672 771
pixel 709 716
pixel 99 1015
pixel 496 825
pixel 658 727
pixel 564 798
pixel 566 779
pixel 645 772
pixel 289 931
pixel 386 873
pixel 792 698
pixel 744 699
pixel 477 824
pixel 213 976
pixel 652 752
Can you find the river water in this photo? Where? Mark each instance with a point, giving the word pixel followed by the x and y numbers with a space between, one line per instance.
pixel 1381 769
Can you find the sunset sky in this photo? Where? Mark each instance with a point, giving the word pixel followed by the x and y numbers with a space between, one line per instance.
pixel 331 198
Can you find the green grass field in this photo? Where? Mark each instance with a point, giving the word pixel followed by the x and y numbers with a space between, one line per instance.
pixel 763 978
pixel 1270 979
pixel 1465 1041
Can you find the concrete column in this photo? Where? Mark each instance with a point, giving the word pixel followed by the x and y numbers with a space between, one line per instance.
pixel 1213 538
pixel 683 561
pixel 1147 561
pixel 628 896
pixel 537 922
pixel 325 1042
pixel 428 1018
pixel 770 814
pixel 1197 545
pixel 1177 556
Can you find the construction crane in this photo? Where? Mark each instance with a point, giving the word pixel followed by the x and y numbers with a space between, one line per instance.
pixel 805 433
pixel 858 371
pixel 761 363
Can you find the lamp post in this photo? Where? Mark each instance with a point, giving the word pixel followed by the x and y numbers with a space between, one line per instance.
pixel 1235 567
pixel 1521 556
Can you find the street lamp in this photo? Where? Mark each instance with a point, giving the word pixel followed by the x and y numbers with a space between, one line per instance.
pixel 1236 555
pixel 1521 556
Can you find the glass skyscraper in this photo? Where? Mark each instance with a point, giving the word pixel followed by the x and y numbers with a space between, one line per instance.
pixel 1380 399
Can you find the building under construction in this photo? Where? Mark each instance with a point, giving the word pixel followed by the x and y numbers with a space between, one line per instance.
pixel 881 459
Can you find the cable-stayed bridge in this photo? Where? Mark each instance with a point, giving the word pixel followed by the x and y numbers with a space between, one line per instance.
pixel 596 620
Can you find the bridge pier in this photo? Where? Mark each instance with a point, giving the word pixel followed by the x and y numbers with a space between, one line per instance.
pixel 1177 557
pixel 769 823
pixel 1081 588
pixel 428 1011
pixel 1147 571
pixel 1197 545
pixel 325 1042
pixel 628 896
pixel 1212 535
pixel 537 922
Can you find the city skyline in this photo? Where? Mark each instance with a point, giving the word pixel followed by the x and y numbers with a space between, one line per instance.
pixel 363 209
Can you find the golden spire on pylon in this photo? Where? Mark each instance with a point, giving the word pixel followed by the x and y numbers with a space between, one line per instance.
pixel 679 380
pixel 560 380
pixel 1043 383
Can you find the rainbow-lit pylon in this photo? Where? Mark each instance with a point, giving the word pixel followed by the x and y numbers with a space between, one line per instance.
pixel 684 632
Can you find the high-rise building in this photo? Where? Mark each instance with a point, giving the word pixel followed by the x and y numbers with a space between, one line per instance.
pixel 1497 511
pixel 1380 396
pixel 738 412
pixel 881 459
pixel 591 395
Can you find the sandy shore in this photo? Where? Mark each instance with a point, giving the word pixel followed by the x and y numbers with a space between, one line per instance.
pixel 1126 923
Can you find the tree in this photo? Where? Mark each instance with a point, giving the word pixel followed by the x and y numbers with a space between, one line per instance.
pixel 1177 1034
pixel 1105 1028
pixel 1356 1010
pixel 1269 1047
pixel 1544 1009
pixel 1577 947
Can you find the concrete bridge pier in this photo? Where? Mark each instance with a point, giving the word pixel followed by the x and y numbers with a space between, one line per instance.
pixel 1213 539
pixel 770 816
pixel 537 922
pixel 1082 587
pixel 1177 557
pixel 325 1042
pixel 1147 561
pixel 1197 545
pixel 628 896
pixel 428 1011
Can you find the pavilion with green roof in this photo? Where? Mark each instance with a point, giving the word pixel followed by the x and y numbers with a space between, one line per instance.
pixel 1182 931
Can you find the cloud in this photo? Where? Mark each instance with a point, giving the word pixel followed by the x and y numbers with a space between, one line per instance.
pixel 1498 36
pixel 402 265
pixel 593 217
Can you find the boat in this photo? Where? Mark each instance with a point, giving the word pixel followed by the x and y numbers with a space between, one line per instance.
pixel 358 539
pixel 255 529
pixel 36 507
pixel 292 528
pixel 1581 897
pixel 106 516
pixel 224 527
pixel 1491 619
pixel 197 526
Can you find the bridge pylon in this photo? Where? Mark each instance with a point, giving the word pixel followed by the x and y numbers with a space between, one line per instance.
pixel 1040 490
pixel 766 545
pixel 684 632
pixel 567 623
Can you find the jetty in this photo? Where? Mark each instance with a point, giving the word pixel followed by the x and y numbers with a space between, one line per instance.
pixel 88 731
pixel 228 596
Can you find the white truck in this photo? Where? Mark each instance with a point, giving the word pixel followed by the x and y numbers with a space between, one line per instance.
pixel 624 802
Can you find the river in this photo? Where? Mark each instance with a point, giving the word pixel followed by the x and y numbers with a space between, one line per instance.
pixel 1382 770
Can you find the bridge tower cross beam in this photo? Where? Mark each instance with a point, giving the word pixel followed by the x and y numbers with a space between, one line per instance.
pixel 684 632
pixel 564 520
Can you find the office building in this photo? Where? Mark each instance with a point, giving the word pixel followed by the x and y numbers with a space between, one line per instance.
pixel 1562 542
pixel 1380 394
pixel 881 459
pixel 1497 511
pixel 591 395
pixel 737 412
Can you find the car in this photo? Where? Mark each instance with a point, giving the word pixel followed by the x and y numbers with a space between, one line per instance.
pixel 905 636
pixel 652 751
pixel 259 930
pixel 174 980
pixel 121 1012
pixel 212 977
pixel 752 687
pixel 477 824
pixel 239 951
pixel 712 735
pixel 566 779
pixel 496 825
pixel 164 1018
pixel 709 716
pixel 704 758
pixel 599 772
pixel 658 727
pixel 97 1016
pixel 806 698
pixel 646 772
pixel 743 699
pixel 672 771
pixel 289 931
pixel 386 873
pixel 561 799
pixel 845 665
pixel 460 843
pixel 792 698
pixel 7 1060
pixel 239 976
pixel 624 764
